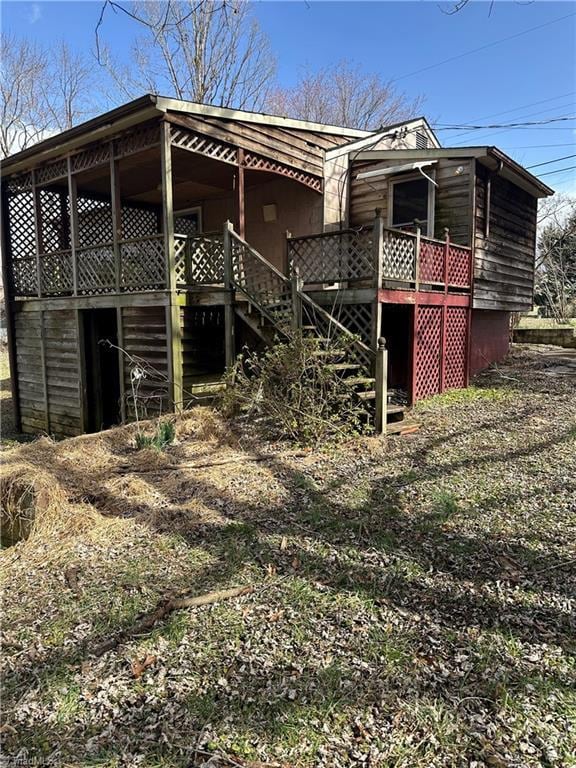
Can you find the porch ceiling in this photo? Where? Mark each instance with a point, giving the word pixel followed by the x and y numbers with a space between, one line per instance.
pixel 194 177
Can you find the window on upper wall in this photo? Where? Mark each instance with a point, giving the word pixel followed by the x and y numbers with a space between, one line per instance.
pixel 412 199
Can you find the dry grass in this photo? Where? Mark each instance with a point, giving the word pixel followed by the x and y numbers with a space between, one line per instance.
pixel 413 600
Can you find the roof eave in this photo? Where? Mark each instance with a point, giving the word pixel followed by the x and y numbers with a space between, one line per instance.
pixel 125 116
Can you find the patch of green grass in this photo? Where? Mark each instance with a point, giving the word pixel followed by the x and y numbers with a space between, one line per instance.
pixel 163 437
pixel 469 395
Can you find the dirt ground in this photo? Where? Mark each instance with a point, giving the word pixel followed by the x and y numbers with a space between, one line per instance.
pixel 410 601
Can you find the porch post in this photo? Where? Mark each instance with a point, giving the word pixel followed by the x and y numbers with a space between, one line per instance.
pixel 116 215
pixel 229 340
pixel 378 254
pixel 73 198
pixel 446 257
pixel 173 330
pixel 37 231
pixel 417 255
pixel 7 264
pixel 381 386
pixel 297 285
pixel 240 198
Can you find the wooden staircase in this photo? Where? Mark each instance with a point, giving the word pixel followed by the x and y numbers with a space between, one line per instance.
pixel 275 306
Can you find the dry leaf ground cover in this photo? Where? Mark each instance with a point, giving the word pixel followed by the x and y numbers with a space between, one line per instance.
pixel 413 600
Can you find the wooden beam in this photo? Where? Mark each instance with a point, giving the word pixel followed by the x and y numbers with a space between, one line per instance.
pixel 229 318
pixel 104 301
pixel 116 205
pixel 430 298
pixel 73 200
pixel 82 387
pixel 167 205
pixel 381 386
pixel 120 335
pixel 37 230
pixel 6 253
pixel 240 196
pixel 378 255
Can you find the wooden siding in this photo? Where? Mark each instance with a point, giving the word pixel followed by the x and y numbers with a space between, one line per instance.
pixel 504 260
pixel 28 342
pixel 453 199
pixel 47 355
pixel 296 148
pixel 453 196
pixel 144 336
pixel 62 351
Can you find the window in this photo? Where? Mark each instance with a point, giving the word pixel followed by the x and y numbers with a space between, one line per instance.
pixel 411 199
pixel 188 222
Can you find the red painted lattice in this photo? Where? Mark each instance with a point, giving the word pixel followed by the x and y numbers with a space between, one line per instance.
pixel 427 340
pixel 431 262
pixel 459 267
pixel 456 347
pixel 440 349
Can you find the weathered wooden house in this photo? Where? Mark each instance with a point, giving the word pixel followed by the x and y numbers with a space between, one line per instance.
pixel 179 232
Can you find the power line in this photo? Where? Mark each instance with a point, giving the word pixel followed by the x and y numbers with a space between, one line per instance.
pixel 482 47
pixel 523 117
pixel 560 170
pixel 537 146
pixel 549 162
pixel 526 124
pixel 526 106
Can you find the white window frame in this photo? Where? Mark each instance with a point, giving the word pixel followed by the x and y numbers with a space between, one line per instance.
pixel 431 200
pixel 187 211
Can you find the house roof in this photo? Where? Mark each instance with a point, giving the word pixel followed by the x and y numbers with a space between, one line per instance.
pixel 381 133
pixel 490 156
pixel 153 105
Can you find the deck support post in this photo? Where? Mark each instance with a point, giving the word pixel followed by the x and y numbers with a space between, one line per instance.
pixel 5 247
pixel 240 196
pixel 230 342
pixel 286 254
pixel 173 331
pixel 37 231
pixel 297 286
pixel 116 205
pixel 73 198
pixel 381 386
pixel 378 253
pixel 417 244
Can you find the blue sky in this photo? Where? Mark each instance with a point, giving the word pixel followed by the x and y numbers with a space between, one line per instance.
pixel 529 77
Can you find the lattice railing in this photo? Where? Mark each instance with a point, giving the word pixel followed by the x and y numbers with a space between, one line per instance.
pixel 96 268
pixel 338 335
pixel 142 263
pixel 333 257
pixel 56 274
pixel 459 266
pixel 399 256
pixel 267 287
pixel 199 259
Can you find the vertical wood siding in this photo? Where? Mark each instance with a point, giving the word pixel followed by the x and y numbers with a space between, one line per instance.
pixel 27 333
pixel 47 355
pixel 145 337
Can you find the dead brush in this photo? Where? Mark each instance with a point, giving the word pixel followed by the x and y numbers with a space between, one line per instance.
pixel 290 392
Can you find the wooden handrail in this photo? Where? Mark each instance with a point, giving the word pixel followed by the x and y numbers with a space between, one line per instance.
pixel 260 258
pixel 332 320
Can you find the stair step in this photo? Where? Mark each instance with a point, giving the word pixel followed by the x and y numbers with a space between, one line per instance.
pixel 405 427
pixel 395 408
pixel 370 394
pixel 357 381
pixel 343 366
pixel 329 353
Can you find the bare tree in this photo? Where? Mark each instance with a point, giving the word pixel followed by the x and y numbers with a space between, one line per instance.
pixel 23 120
pixel 42 91
pixel 212 53
pixel 556 258
pixel 343 95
